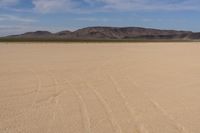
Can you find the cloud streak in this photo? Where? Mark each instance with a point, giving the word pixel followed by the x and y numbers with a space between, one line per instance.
pixel 114 5
pixel 6 17
pixel 138 5
pixel 8 2
pixel 81 6
pixel 45 6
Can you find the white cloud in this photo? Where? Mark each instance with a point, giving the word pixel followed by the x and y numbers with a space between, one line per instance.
pixel 12 18
pixel 82 6
pixel 92 19
pixel 46 6
pixel 8 2
pixel 10 24
pixel 132 5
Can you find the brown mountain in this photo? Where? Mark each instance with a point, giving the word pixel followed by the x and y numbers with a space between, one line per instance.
pixel 110 33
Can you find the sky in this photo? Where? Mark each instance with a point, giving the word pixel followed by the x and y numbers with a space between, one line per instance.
pixel 19 16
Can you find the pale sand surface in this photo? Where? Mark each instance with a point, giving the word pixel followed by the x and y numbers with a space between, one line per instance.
pixel 100 88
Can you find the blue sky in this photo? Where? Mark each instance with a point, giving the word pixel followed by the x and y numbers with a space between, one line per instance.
pixel 19 16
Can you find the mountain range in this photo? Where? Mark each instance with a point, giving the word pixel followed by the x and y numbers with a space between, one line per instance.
pixel 108 33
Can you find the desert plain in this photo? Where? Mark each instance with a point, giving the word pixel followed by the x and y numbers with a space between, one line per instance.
pixel 100 87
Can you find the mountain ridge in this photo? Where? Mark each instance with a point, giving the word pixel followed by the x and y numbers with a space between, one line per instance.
pixel 109 33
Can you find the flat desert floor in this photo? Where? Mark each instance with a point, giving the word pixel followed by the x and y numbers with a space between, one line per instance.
pixel 100 88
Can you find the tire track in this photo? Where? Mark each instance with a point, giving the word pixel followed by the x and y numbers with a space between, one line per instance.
pixel 157 106
pixel 109 112
pixel 115 127
pixel 84 110
pixel 56 85
pixel 39 84
pixel 140 127
pixel 24 113
pixel 55 99
pixel 180 127
pixel 36 91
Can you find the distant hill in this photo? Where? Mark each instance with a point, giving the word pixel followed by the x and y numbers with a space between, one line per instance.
pixel 108 33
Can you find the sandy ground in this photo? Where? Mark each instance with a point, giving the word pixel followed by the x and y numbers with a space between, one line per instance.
pixel 100 88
